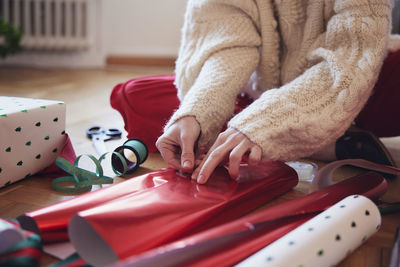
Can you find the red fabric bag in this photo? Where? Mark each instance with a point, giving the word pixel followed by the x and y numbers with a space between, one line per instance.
pixel 156 208
pixel 133 100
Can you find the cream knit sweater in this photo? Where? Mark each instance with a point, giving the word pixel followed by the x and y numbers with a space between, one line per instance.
pixel 313 64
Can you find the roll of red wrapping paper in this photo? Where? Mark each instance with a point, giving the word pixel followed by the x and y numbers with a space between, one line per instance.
pixel 143 220
pixel 232 242
pixel 51 222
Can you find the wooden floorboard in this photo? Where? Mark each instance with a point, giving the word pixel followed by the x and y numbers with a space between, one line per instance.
pixel 86 94
pixel 113 60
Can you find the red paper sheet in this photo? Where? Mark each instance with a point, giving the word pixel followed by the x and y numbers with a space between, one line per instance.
pixel 219 246
pixel 153 209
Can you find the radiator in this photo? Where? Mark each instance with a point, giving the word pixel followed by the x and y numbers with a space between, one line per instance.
pixel 50 24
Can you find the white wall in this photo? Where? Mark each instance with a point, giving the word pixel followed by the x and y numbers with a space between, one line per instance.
pixel 121 28
pixel 142 27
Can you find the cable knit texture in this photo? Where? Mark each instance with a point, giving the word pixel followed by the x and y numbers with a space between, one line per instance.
pixel 313 64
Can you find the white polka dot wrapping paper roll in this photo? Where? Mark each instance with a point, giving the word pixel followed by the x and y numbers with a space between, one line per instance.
pixel 325 240
pixel 32 136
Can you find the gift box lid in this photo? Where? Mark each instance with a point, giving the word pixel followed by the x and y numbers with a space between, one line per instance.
pixel 10 105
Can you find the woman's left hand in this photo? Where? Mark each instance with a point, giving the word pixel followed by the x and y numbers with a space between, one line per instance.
pixel 230 143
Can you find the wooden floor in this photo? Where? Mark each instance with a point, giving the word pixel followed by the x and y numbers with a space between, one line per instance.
pixel 86 94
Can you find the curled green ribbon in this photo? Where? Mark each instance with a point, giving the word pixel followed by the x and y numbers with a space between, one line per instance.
pixel 82 179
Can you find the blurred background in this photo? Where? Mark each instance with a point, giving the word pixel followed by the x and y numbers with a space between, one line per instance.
pixel 94 33
pixel 89 33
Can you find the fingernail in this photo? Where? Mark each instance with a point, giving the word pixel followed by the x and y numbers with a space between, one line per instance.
pixel 187 164
pixel 201 179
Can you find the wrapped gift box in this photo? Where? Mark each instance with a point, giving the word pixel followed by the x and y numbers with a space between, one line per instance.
pixel 32 135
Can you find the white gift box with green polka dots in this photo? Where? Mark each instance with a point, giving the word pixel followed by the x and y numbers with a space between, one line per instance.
pixel 32 134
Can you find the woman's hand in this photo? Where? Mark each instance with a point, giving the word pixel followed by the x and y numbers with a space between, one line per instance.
pixel 176 145
pixel 230 143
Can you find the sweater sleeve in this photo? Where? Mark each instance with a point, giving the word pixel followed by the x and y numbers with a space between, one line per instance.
pixel 219 51
pixel 314 109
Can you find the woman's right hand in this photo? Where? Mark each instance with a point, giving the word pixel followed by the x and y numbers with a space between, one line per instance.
pixel 176 145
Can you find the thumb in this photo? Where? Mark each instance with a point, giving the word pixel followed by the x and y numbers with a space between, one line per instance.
pixel 187 156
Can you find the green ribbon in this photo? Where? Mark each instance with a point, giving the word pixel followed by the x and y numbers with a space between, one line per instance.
pixel 120 162
pixel 82 179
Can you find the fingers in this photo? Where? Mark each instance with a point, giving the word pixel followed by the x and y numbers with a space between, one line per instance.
pixel 168 152
pixel 211 162
pixel 177 148
pixel 255 156
pixel 176 145
pixel 195 174
pixel 225 142
pixel 235 157
pixel 234 144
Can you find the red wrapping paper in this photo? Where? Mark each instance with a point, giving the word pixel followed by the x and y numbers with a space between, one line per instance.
pixel 170 206
pixel 176 208
pixel 67 153
pixel 200 249
pixel 51 222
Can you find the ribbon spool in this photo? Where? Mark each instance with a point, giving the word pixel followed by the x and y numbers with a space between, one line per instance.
pixel 134 152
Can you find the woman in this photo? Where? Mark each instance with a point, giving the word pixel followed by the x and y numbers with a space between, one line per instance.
pixel 309 65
